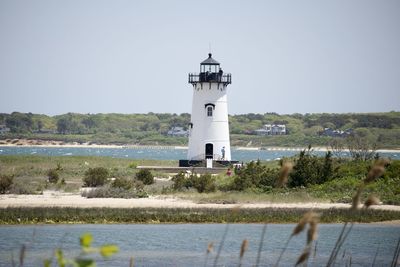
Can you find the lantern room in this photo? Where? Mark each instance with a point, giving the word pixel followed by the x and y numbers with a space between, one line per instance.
pixel 210 71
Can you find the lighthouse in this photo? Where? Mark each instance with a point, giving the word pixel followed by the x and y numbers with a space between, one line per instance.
pixel 209 127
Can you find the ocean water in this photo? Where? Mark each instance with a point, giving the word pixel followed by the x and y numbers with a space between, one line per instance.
pixel 162 153
pixel 186 244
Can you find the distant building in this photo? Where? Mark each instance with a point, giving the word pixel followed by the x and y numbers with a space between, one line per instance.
pixel 177 131
pixel 272 129
pixel 4 129
pixel 336 133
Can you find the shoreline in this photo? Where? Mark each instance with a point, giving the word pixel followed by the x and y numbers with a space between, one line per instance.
pixel 54 207
pixel 73 200
pixel 224 214
pixel 59 144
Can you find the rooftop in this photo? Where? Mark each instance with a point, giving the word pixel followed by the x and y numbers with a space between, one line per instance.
pixel 210 61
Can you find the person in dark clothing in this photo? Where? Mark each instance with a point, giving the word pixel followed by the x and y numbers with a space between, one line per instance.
pixel 220 74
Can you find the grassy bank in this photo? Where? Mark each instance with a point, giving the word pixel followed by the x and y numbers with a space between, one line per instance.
pixel 30 174
pixel 31 171
pixel 203 215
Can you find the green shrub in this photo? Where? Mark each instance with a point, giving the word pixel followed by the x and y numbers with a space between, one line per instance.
pixel 127 184
pixel 180 181
pixel 393 170
pixel 204 183
pixel 387 189
pixel 53 176
pixel 6 182
pixel 145 176
pixel 122 183
pixel 132 165
pixel 357 169
pixel 310 169
pixel 95 177
pixel 108 191
pixel 254 175
pixel 59 167
pixel 24 188
pixel 337 190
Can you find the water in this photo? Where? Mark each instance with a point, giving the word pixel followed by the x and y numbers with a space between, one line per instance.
pixel 186 244
pixel 154 153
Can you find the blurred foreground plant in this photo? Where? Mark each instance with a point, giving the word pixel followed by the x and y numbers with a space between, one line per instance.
pixel 82 260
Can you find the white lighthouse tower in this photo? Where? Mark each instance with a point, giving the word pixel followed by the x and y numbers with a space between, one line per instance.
pixel 209 128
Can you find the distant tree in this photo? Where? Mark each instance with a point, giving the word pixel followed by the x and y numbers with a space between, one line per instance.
pixel 89 122
pixel 329 125
pixel 19 122
pixel 375 121
pixel 64 125
pixel 280 122
pixel 40 125
pixel 360 148
pixel 337 146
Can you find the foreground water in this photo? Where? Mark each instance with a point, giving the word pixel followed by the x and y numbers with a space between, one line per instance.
pixel 157 153
pixel 186 244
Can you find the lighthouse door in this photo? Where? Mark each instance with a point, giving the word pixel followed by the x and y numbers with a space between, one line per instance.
pixel 209 151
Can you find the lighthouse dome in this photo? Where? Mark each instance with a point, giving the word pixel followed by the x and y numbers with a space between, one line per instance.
pixel 209 61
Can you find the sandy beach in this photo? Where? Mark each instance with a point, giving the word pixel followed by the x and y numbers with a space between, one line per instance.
pixel 59 199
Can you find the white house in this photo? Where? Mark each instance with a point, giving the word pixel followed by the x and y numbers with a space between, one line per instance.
pixel 272 129
pixel 177 131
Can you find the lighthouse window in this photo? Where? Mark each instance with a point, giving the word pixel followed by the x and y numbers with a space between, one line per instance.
pixel 209 111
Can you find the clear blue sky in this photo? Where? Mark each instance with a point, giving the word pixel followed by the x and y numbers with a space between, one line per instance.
pixel 96 56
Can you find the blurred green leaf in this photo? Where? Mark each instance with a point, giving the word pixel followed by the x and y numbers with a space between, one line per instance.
pixel 86 240
pixel 85 263
pixel 108 250
pixel 47 263
pixel 60 258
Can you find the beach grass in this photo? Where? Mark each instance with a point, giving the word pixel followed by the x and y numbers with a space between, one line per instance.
pixel 32 170
pixel 235 197
pixel 23 215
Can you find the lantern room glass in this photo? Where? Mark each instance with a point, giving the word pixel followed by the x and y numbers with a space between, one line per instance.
pixel 210 68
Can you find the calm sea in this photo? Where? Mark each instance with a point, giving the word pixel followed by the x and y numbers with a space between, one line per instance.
pixel 163 153
pixel 186 244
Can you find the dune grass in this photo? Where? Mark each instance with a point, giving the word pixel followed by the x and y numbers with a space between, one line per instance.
pixel 234 197
pixel 32 170
pixel 185 215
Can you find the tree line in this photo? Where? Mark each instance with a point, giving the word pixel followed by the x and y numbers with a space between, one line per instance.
pixel 380 128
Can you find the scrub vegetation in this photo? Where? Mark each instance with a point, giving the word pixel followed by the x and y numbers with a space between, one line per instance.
pixel 323 179
pixel 31 174
pixel 309 179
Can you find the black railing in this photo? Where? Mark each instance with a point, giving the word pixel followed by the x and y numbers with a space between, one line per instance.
pixel 210 77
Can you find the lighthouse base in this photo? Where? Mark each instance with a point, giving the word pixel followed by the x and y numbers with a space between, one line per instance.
pixel 202 163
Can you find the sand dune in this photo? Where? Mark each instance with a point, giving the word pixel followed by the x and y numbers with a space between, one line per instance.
pixel 58 199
